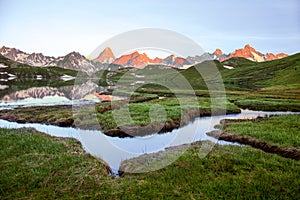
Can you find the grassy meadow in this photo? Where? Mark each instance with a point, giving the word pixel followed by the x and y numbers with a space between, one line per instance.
pixel 36 166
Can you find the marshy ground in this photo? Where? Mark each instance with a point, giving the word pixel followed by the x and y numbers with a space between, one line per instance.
pixel 35 166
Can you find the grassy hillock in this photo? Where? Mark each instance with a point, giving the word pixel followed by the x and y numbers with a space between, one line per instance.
pixel 238 62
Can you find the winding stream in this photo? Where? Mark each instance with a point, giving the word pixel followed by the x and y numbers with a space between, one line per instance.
pixel 114 150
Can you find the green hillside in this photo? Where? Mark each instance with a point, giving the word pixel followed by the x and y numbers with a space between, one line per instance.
pixel 195 74
pixel 277 74
pixel 238 62
pixel 281 74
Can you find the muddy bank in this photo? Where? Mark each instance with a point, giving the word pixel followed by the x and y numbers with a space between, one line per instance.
pixel 60 115
pixel 153 161
pixel 62 122
pixel 156 127
pixel 292 153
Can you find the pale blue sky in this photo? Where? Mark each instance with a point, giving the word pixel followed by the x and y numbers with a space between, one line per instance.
pixel 57 27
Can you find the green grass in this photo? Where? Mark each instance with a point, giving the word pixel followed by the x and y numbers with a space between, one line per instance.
pixel 267 104
pixel 35 166
pixel 276 130
pixel 194 75
pixel 228 172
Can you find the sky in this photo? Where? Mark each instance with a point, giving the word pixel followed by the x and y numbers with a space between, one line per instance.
pixel 57 27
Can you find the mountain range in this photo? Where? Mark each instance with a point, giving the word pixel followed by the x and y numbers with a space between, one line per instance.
pixel 138 60
pixel 76 61
pixel 73 60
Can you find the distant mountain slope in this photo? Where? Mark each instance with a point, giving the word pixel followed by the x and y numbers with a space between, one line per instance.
pixel 35 59
pixel 78 62
pixel 11 69
pixel 174 61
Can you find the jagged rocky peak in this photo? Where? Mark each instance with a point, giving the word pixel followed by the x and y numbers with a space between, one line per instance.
pixel 76 61
pixel 248 46
pixel 134 59
pixel 139 60
pixel 106 56
pixel 252 54
pixel 218 52
pixel 13 53
pixel 247 52
pixel 75 54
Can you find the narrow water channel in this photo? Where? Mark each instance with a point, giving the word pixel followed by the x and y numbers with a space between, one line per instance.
pixel 114 150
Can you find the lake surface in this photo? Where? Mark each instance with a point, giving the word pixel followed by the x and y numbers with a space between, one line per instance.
pixel 114 150
pixel 23 93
